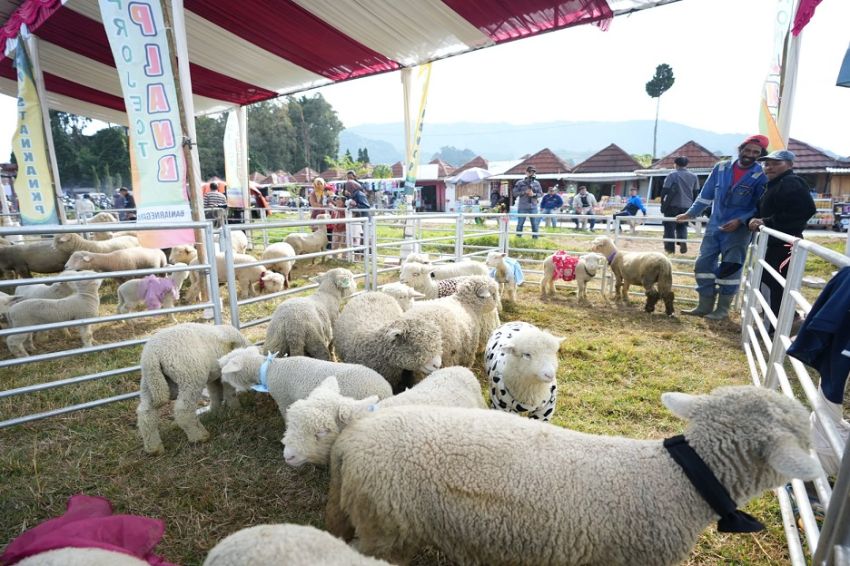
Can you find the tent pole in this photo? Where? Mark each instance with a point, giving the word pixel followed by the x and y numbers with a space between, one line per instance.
pixel 242 119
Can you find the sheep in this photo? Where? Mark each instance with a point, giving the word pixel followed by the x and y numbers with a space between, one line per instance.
pixel 312 242
pixel 280 250
pixel 72 556
pixel 84 303
pixel 238 241
pixel 23 259
pixel 416 275
pixel 653 270
pixel 177 363
pixel 466 319
pixel 314 423
pixel 402 479
pixel 285 545
pixel 374 331
pixel 74 242
pixel 107 218
pixel 268 283
pixel 183 253
pixel 4 242
pixel 248 278
pixel 425 282
pixel 304 325
pixel 290 379
pixel 43 291
pixel 522 363
pixel 119 260
pixel 152 291
pixel 417 258
pixel 585 269
pixel 403 294
pixel 503 274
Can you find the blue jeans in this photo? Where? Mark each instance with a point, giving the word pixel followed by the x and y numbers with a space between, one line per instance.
pixel 553 222
pixel 520 222
pixel 731 249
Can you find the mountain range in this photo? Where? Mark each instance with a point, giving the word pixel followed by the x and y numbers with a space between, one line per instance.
pixel 572 141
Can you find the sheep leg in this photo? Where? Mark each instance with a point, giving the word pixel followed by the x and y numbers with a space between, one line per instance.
pixel 668 303
pixel 624 293
pixel 214 388
pixel 15 344
pixel 375 541
pixel 228 394
pixel 186 417
pixel 86 335
pixel 652 297
pixel 582 289
pixel 147 421
pixel 167 303
pixel 336 520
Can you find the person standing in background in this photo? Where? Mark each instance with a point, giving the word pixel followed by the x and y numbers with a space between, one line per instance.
pixel 677 195
pixel 527 194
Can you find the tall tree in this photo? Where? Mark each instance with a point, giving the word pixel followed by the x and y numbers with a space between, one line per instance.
pixel 363 155
pixel 271 137
pixel 317 129
pixel 210 132
pixel 658 85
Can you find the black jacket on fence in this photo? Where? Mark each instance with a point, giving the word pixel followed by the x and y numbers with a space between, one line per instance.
pixel 786 205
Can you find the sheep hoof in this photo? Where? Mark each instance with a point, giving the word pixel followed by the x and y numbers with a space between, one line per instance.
pixel 155 450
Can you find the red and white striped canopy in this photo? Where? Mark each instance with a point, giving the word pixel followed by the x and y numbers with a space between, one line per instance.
pixel 252 50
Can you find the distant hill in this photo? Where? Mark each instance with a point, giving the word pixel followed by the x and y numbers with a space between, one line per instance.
pixel 573 141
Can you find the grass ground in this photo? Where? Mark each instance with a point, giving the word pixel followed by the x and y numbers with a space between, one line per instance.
pixel 614 366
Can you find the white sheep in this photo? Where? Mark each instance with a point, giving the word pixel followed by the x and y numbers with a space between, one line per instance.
pixel 314 423
pixel 425 281
pixel 292 378
pixel 84 303
pixel 23 259
pixel 521 362
pixel 304 325
pixel 43 291
pixel 178 362
pixel 559 266
pixel 415 274
pixel 72 556
pixel 466 319
pixel 312 242
pixel 249 279
pixel 71 242
pixel 152 291
pixel 417 258
pixel 285 545
pixel 238 241
pixel 119 260
pixel 487 487
pixel 403 294
pixel 652 270
pixel 280 250
pixel 183 253
pixel 373 331
pixel 504 274
pixel 103 218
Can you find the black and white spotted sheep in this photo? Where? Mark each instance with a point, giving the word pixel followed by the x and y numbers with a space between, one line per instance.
pixel 494 362
pixel 446 287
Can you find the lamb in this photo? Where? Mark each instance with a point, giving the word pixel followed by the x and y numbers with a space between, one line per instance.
pixel 177 363
pixel 417 258
pixel 43 291
pixel 466 319
pixel 119 260
pixel 72 556
pixel 313 424
pixel 74 242
pixel 561 265
pixel 152 291
pixel 304 325
pixel 403 294
pixel 285 545
pixel 107 218
pixel 416 275
pixel 522 363
pixel 250 279
pixel 23 259
pixel 374 331
pixel 293 378
pixel 280 250
pixel 183 253
pixel 504 274
pixel 386 472
pixel 84 303
pixel 653 270
pixel 238 241
pixel 313 242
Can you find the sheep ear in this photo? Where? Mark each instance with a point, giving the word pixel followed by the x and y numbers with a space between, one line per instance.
pixel 791 461
pixel 349 411
pixel 680 404
pixel 86 258
pixel 232 366
pixel 503 255
pixel 560 339
pixel 416 294
pixel 393 334
pixel 64 238
pixel 483 292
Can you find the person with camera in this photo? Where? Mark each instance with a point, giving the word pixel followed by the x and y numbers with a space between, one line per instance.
pixel 527 195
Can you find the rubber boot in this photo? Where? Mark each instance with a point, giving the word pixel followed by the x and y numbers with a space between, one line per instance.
pixel 722 310
pixel 683 248
pixel 705 306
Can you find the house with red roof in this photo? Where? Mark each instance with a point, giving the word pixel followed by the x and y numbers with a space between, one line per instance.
pixel 610 172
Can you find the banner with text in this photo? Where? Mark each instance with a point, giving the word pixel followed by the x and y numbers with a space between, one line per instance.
pixel 140 48
pixel 232 170
pixel 33 185
pixel 414 81
pixel 770 96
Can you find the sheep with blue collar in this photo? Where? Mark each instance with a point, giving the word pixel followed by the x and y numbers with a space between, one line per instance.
pixel 460 480
pixel 314 423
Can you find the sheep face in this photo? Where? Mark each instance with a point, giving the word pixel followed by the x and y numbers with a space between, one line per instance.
pixel 273 282
pixel 233 368
pixel 341 278
pixel 494 259
pixel 403 294
pixel 480 293
pixel 182 253
pixel 314 423
pixel 767 422
pixel 414 344
pixel 603 245
pixel 78 261
pixel 532 357
pixel 416 275
pixel 593 261
pixel 89 286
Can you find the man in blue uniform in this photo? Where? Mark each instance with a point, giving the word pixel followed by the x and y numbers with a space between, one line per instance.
pixel 733 191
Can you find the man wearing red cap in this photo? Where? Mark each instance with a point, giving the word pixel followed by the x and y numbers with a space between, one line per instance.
pixel 733 191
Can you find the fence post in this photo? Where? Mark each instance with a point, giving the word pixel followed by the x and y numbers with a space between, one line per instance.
pixel 459 236
pixel 370 253
pixel 232 291
pixel 265 232
pixel 793 279
pixel 349 241
pixel 504 236
pixel 749 300
pixel 212 282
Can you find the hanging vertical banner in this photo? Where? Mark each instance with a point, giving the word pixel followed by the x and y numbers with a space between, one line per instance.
pixel 33 185
pixel 413 80
pixel 232 164
pixel 770 96
pixel 140 49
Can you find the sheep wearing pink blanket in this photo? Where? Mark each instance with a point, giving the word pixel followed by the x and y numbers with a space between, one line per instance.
pixel 152 291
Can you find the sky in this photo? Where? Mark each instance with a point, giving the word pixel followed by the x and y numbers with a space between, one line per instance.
pixel 719 51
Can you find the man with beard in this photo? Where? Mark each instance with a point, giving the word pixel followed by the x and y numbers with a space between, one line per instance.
pixel 786 206
pixel 733 191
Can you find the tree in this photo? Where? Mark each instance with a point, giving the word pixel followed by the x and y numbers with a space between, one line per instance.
pixel 454 156
pixel 272 141
pixel 658 85
pixel 382 171
pixel 363 155
pixel 346 163
pixel 644 159
pixel 210 133
pixel 317 129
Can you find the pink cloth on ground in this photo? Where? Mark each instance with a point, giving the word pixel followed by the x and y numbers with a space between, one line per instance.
pixel 154 289
pixel 565 265
pixel 89 523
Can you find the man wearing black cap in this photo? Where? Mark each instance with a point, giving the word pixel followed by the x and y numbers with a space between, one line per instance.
pixel 786 206
pixel 677 195
pixel 528 193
